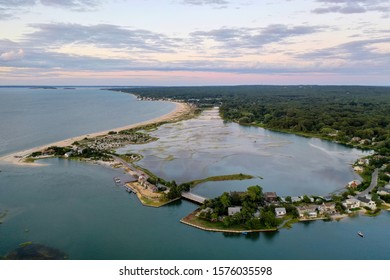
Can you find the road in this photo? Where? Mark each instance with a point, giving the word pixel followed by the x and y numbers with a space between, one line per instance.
pixel 374 182
pixel 133 171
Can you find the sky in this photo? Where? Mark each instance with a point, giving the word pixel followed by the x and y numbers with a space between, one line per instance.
pixel 194 42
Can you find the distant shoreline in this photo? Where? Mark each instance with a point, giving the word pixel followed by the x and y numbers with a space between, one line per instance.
pixel 17 158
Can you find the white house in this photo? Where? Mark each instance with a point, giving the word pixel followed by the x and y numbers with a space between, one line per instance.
pixel 234 210
pixel 383 191
pixel 358 169
pixel 366 202
pixel 295 199
pixel 280 211
pixel 68 154
pixel 307 211
pixel 351 203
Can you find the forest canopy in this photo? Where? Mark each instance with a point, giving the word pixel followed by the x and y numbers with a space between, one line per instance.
pixel 356 115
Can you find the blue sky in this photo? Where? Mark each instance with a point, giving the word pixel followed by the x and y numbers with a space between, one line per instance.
pixel 194 42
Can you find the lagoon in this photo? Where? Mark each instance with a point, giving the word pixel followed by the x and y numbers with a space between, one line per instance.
pixel 206 146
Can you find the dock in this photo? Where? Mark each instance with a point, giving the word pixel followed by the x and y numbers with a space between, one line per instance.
pixel 193 197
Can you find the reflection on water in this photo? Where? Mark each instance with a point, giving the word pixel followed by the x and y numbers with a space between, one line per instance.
pixel 207 146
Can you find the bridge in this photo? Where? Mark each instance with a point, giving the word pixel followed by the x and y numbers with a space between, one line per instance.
pixel 193 197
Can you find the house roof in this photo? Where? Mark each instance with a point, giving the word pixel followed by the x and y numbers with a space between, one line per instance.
pixel 387 190
pixel 270 194
pixel 280 209
pixel 352 200
pixel 235 208
pixel 307 208
pixel 364 199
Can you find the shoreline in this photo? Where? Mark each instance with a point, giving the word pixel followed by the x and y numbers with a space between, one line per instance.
pixel 17 158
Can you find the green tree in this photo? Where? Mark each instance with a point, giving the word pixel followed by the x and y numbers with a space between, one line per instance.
pixel 255 193
pixel 269 220
pixel 225 200
pixel 306 199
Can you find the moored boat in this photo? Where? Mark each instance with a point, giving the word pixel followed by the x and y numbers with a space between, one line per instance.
pixel 360 234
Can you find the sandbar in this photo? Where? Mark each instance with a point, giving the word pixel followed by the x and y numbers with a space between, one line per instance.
pixel 17 158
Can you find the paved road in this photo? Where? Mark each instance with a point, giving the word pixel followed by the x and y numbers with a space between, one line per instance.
pixel 374 182
pixel 128 165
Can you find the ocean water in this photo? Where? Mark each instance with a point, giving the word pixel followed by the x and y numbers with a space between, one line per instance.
pixel 33 117
pixel 76 207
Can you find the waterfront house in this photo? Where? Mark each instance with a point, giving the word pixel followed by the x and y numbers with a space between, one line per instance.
pixel 366 202
pixel 356 139
pixel 351 203
pixel 270 197
pixel 68 154
pixel 141 179
pixel 309 211
pixel 353 184
pixel 358 169
pixel 234 210
pixel 329 208
pixel 280 211
pixel 153 188
pixel 365 161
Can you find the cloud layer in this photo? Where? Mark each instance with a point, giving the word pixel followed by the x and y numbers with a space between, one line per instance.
pixel 352 6
pixel 272 41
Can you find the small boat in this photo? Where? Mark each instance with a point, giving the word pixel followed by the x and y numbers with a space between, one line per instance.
pixel 360 234
pixel 244 232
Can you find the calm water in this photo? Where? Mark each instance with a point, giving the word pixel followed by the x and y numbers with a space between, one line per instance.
pixel 287 164
pixel 33 117
pixel 76 208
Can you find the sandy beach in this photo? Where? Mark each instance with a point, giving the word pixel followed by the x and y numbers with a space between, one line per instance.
pixel 18 157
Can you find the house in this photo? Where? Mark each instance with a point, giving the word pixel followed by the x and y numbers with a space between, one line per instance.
pixel 366 202
pixel 309 211
pixel 141 179
pixel 358 169
pixel 353 184
pixel 356 139
pixel 153 188
pixel 270 197
pixel 363 161
pixel 351 203
pixel 329 208
pixel 327 198
pixel 295 199
pixel 383 191
pixel 281 211
pixel 234 210
pixel 68 154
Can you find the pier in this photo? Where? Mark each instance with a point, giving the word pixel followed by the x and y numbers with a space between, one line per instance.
pixel 193 197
